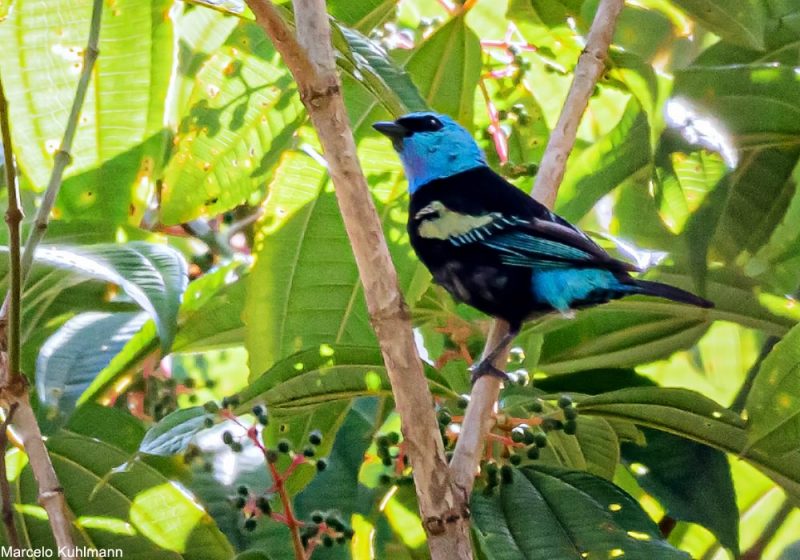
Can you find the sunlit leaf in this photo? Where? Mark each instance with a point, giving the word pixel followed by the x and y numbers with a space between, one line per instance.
pixel 241 114
pixel 121 121
pixel 546 513
pixel 773 404
pixel 741 22
pixel 139 510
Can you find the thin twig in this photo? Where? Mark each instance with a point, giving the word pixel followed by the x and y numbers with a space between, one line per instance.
pixel 63 156
pixel 310 58
pixel 478 418
pixel 5 488
pixel 13 219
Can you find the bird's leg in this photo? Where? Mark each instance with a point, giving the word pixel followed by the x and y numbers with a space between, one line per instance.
pixel 486 365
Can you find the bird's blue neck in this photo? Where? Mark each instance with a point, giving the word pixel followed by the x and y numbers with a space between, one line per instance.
pixel 424 166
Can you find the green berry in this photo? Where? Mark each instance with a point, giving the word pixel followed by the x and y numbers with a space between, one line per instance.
pixel 536 406
pixel 263 419
pixel 322 464
pixel 211 407
pixel 517 435
pixel 227 437
pixel 258 410
pixel 533 453
pixel 393 437
pixel 250 524
pixel 315 437
pixel 462 402
pixel 284 446
pixel 382 442
pixel 444 418
pixel 236 447
pixel 515 459
pixel 507 474
pixel 309 452
pixel 239 502
pixel 243 490
pixel 263 504
pixel 272 456
pixel 564 401
pixel 570 413
pixel 387 461
pixel 327 541
pixel 341 539
pixel 208 422
pixel 334 522
pixel 349 533
pixel 317 517
pixel 529 437
pixel 570 427
pixel 540 439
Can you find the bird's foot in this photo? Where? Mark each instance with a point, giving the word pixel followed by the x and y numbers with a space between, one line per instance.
pixel 485 367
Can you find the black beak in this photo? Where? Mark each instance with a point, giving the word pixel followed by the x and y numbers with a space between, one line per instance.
pixel 391 129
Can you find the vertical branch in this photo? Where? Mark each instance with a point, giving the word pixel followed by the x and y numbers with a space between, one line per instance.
pixel 310 58
pixel 13 219
pixel 5 488
pixel 14 389
pixel 478 417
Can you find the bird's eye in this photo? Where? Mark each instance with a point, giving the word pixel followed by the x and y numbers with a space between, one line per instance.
pixel 420 123
pixel 435 124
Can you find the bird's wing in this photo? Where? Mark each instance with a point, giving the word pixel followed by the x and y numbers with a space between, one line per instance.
pixel 527 242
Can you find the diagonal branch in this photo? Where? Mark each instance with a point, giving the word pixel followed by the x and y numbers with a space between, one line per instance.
pixel 478 418
pixel 310 58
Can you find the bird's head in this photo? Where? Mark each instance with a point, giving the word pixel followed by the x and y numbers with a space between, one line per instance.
pixel 431 146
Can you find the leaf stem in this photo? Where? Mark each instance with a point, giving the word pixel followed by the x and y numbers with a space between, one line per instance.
pixel 279 481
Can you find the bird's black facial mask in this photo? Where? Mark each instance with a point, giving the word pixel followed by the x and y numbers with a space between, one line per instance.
pixel 407 126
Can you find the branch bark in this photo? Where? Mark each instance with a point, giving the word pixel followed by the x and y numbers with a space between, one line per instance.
pixel 478 418
pixel 310 57
pixel 13 385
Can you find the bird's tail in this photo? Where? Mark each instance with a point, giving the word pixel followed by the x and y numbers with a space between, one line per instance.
pixel 670 292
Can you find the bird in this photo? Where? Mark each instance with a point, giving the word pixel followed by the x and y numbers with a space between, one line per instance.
pixel 492 246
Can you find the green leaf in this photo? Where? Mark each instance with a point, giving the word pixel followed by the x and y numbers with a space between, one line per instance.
pixel 123 114
pixel 322 375
pixel 691 481
pixel 446 68
pixel 619 155
pixel 154 276
pixel 114 426
pixel 209 317
pixel 756 103
pixel 556 514
pixel 636 330
pixel 301 235
pixel 773 404
pixel 740 22
pixel 242 113
pixel 363 16
pixel 371 78
pixel 70 359
pixel 693 416
pixel 140 511
pixel 173 433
